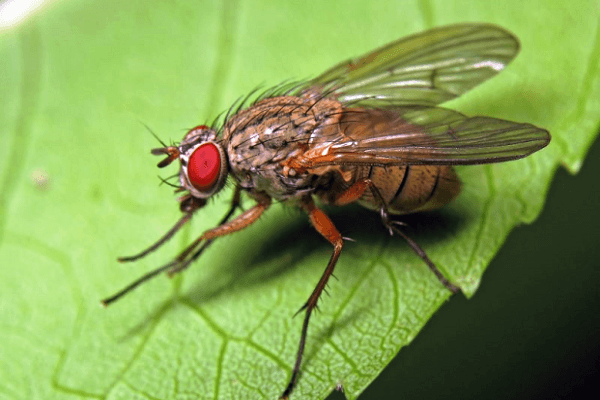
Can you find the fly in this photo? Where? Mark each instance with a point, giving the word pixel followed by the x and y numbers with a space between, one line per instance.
pixel 366 131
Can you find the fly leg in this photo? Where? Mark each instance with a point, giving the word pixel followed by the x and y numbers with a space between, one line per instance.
pixel 179 264
pixel 182 261
pixel 188 206
pixel 242 221
pixel 327 229
pixel 356 190
pixel 391 225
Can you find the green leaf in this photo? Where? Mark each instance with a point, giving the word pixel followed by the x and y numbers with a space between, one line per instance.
pixel 78 188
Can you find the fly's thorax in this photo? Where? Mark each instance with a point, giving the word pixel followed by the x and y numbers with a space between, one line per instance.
pixel 204 166
pixel 260 139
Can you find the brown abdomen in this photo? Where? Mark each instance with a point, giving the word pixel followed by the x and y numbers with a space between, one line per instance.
pixel 411 188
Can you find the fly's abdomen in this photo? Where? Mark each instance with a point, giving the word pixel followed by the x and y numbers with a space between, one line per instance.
pixel 411 188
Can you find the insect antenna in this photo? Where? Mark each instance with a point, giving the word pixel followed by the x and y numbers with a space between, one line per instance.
pixel 172 153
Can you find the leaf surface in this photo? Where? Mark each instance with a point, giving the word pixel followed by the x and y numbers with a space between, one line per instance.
pixel 78 188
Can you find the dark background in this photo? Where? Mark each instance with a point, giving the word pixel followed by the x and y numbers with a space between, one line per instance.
pixel 527 333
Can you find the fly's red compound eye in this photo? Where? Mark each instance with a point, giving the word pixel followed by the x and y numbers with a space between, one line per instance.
pixel 204 167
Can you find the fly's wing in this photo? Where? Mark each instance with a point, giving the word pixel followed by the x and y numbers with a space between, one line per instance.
pixel 423 69
pixel 421 135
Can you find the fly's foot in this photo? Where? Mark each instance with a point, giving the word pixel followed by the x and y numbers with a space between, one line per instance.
pixel 388 223
pixel 392 227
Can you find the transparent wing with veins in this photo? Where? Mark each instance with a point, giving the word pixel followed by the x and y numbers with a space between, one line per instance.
pixel 420 135
pixel 423 69
pixel 390 95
